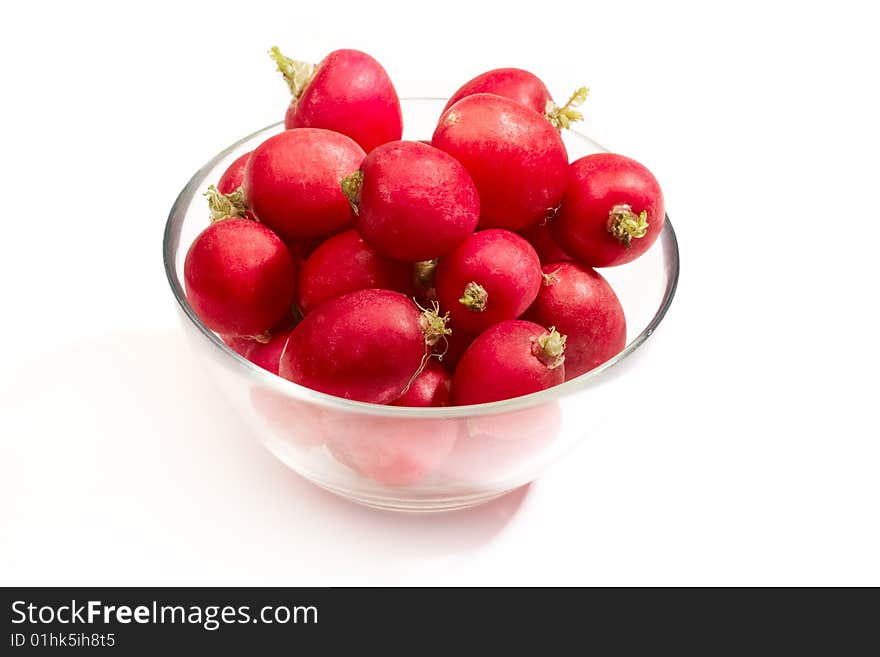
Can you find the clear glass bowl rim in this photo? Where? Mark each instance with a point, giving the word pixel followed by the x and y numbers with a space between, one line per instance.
pixel 170 243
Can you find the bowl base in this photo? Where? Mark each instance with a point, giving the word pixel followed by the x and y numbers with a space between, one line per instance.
pixel 413 505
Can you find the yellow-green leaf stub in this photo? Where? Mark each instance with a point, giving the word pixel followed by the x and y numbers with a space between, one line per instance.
pixel 297 74
pixel 624 224
pixel 433 324
pixel 225 206
pixel 563 117
pixel 351 187
pixel 550 348
pixel 475 297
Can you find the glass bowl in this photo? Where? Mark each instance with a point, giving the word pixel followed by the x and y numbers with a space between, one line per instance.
pixel 418 459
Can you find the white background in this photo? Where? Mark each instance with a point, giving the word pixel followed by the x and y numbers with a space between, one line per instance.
pixel 752 456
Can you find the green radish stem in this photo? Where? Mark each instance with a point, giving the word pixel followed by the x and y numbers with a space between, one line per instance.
pixel 297 74
pixel 563 117
pixel 423 275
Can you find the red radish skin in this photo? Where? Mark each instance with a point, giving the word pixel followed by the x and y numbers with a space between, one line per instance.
pixel 545 246
pixel 612 211
pixel 414 202
pixel 580 303
pixel 291 182
pixel 507 360
pixel 392 451
pixel 268 355
pixel 514 83
pixel 346 263
pixel 233 176
pixel 514 156
pixel 299 251
pixel 433 387
pixel 263 354
pixel 367 346
pixel 348 92
pixel 493 276
pixel 239 278
pixel 526 89
pixel 456 344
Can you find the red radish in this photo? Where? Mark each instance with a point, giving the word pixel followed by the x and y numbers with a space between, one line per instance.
pixel 292 421
pixel 367 346
pixel 513 83
pixel 494 275
pixel 227 198
pixel 456 344
pixel 515 157
pixel 265 354
pixel 544 244
pixel 612 211
pixel 239 345
pixel 348 91
pixel 492 448
pixel 526 89
pixel 233 176
pixel 580 304
pixel 291 182
pixel 345 263
pixel 393 451
pixel 414 202
pixel 433 387
pixel 268 355
pixel 510 359
pixel 239 277
pixel 299 251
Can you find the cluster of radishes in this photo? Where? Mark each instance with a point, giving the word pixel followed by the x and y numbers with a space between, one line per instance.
pixel 454 271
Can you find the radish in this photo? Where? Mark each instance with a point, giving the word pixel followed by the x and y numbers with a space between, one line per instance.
pixel 227 198
pixel 265 354
pixel 513 83
pixel 233 176
pixel 413 202
pixel 493 276
pixel 348 91
pixel 239 345
pixel 433 387
pixel 295 422
pixel 516 158
pixel 456 344
pixel 345 263
pixel 612 211
pixel 368 346
pixel 492 448
pixel 507 360
pixel 545 246
pixel 239 278
pixel 526 89
pixel 291 182
pixel 580 303
pixel 392 451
